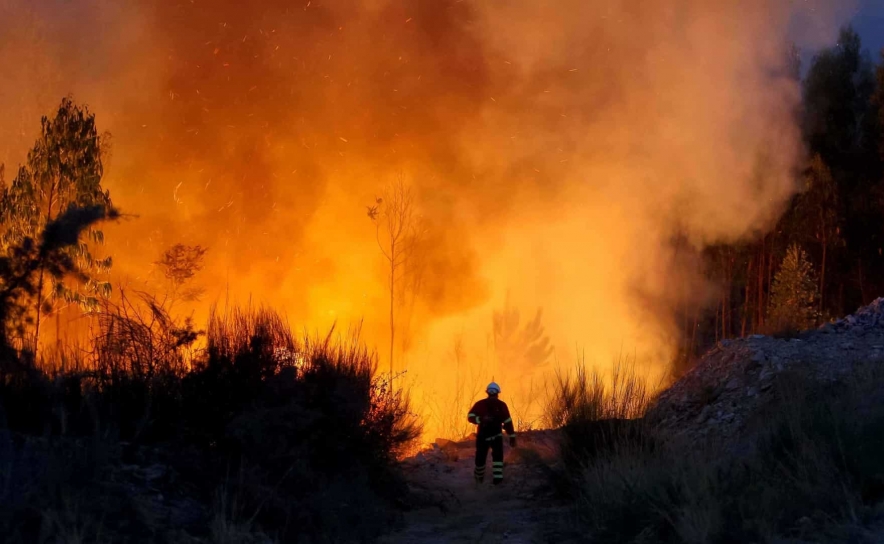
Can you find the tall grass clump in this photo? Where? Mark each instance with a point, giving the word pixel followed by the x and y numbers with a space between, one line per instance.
pixel 807 467
pixel 597 412
pixel 299 433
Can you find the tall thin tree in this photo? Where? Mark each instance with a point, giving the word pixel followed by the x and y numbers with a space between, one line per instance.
pixel 398 232
pixel 820 207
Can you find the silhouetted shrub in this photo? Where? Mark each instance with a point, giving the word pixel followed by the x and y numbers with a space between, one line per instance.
pixel 299 434
pixel 598 414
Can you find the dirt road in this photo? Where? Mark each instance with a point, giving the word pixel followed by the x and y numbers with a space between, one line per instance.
pixel 451 508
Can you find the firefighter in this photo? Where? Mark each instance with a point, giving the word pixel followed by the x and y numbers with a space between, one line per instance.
pixel 490 415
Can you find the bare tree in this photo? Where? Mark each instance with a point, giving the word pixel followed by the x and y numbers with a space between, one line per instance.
pixel 399 232
pixel 179 264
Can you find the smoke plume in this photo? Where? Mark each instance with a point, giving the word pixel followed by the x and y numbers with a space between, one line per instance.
pixel 556 149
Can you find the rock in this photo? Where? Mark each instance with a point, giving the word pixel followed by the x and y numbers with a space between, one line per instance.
pixel 704 414
pixel 733 384
pixel 766 374
pixel 758 357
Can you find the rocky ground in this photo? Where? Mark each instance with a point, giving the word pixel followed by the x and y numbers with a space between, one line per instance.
pixel 450 508
pixel 730 385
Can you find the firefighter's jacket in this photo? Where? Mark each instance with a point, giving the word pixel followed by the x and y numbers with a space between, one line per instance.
pixel 490 415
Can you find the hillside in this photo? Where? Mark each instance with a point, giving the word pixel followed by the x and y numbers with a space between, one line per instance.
pixel 728 390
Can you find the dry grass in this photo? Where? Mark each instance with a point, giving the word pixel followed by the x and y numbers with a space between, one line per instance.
pixel 811 470
pixel 589 395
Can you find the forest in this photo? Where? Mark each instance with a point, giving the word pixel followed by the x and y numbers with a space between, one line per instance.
pixel 824 257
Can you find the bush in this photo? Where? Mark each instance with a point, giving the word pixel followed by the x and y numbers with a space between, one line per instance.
pixel 286 438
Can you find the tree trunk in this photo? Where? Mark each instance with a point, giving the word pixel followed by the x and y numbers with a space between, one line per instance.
pixel 770 265
pixel 862 285
pixel 728 293
pixel 40 281
pixel 392 322
pixel 841 299
pixel 746 297
pixel 724 292
pixel 823 275
pixel 759 303
pixel 39 309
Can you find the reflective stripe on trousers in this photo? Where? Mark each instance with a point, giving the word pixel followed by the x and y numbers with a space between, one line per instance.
pixel 497 468
pixel 495 444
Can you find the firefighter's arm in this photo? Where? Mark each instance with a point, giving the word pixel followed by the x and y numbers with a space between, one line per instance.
pixel 473 416
pixel 508 426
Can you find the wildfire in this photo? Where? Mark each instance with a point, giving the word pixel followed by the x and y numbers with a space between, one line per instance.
pixel 261 130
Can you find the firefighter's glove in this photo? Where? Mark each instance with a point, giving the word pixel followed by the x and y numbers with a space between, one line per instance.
pixel 512 441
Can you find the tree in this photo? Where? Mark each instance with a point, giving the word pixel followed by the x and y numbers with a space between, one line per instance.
pixel 840 126
pixel 837 89
pixel 526 347
pixel 819 211
pixel 399 232
pixel 795 296
pixel 878 102
pixel 179 264
pixel 26 263
pixel 62 171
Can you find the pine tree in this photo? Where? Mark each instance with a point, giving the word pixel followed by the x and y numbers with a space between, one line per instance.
pixel 795 296
pixel 26 262
pixel 523 347
pixel 62 171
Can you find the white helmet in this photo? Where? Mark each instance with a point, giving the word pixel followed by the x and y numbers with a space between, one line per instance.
pixel 493 389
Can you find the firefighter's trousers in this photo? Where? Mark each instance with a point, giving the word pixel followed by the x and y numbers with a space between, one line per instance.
pixel 495 443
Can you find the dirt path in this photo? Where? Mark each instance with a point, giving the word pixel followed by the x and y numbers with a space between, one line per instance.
pixel 453 509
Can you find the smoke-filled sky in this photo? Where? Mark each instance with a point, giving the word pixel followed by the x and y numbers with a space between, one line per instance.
pixel 555 149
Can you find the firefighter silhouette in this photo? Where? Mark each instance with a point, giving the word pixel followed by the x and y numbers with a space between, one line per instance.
pixel 492 417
